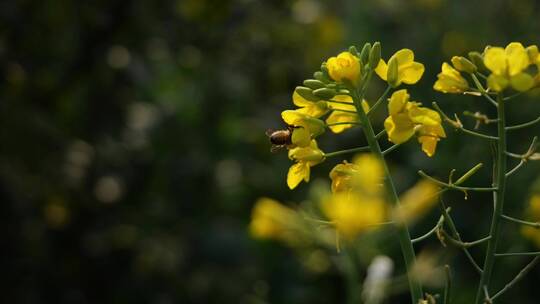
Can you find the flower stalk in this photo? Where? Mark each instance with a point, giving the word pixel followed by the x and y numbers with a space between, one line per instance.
pixel 498 198
pixel 403 231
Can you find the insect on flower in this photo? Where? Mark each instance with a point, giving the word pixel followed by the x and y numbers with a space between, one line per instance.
pixel 280 139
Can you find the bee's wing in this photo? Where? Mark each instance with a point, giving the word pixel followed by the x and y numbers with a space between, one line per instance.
pixel 276 148
pixel 269 132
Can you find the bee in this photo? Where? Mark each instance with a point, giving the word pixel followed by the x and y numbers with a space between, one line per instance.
pixel 280 139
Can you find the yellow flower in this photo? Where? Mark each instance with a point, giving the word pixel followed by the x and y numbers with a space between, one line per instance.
pixel 272 220
pixel 339 116
pixel 364 175
pixel 305 157
pixel 306 127
pixel 353 213
pixel 416 201
pixel 450 80
pixel 533 212
pixel 408 71
pixel 310 108
pixel 406 118
pixel 507 67
pixel 344 67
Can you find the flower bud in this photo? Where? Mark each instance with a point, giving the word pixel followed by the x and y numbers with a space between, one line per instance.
pixel 321 77
pixel 314 84
pixel 364 54
pixel 477 60
pixel 306 93
pixel 462 64
pixel 375 55
pixel 324 93
pixel 354 51
pixel 393 72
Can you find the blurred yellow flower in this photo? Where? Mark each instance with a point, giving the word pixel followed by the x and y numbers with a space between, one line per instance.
pixel 449 80
pixel 272 220
pixel 507 66
pixel 353 213
pixel 407 118
pixel 305 158
pixel 416 201
pixel 314 109
pixel 339 116
pixel 408 71
pixel 533 211
pixel 344 67
pixel 364 175
pixel 306 127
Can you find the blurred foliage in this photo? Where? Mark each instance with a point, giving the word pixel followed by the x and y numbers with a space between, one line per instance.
pixel 133 148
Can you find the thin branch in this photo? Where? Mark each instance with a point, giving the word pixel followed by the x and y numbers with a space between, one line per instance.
pixel 459 125
pixel 345 111
pixel 379 101
pixel 519 165
pixel 462 244
pixel 353 150
pixel 487 299
pixel 392 148
pixel 450 223
pixel 448 285
pixel 380 134
pixel 454 187
pixel 483 91
pixel 429 233
pixel 526 155
pixel 511 254
pixel 341 102
pixel 513 96
pixel 518 277
pixel 515 220
pixel 523 125
pixel 344 123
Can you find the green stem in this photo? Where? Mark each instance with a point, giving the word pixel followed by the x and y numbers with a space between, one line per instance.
pixel 343 123
pixel 523 125
pixel 379 101
pixel 533 253
pixel 498 197
pixel 347 151
pixel 518 277
pixel 515 220
pixel 403 231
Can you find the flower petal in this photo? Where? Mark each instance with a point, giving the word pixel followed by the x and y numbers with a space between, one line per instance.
pixel 382 69
pixel 399 128
pixel 522 82
pixel 411 73
pixel 297 173
pixel 495 60
pixel 517 58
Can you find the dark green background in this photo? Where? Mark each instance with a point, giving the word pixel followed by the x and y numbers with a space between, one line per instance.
pixel 132 142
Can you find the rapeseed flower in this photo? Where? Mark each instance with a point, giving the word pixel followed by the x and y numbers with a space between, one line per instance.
pixel 345 67
pixel 305 158
pixel 353 213
pixel 416 201
pixel 449 80
pixel 272 220
pixel 408 70
pixel 365 174
pixel 407 118
pixel 507 67
pixel 306 127
pixel 343 113
pixel 314 109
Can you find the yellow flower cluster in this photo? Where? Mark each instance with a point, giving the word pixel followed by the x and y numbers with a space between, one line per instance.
pixel 272 220
pixel 357 203
pixel 507 67
pixel 407 118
